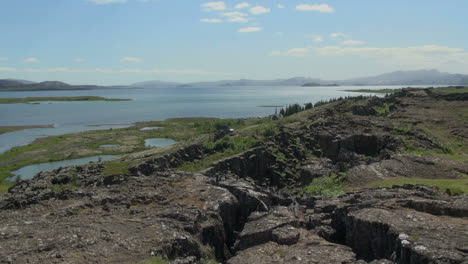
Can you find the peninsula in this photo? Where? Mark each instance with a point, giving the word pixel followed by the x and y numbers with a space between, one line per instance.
pixel 57 99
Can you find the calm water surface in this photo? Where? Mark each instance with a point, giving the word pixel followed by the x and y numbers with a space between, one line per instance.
pixel 149 104
pixel 29 172
pixel 159 142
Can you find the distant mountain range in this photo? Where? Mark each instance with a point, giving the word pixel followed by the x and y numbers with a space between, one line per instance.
pixel 421 77
pixel 297 81
pixel 22 85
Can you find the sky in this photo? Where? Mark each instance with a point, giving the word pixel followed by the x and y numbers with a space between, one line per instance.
pixel 111 42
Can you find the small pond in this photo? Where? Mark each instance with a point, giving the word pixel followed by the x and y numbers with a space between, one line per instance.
pixel 151 128
pixel 109 146
pixel 159 142
pixel 30 171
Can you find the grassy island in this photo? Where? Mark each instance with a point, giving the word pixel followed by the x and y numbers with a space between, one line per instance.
pixel 57 99
pixel 8 129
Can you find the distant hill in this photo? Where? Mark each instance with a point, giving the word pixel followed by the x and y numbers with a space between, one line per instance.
pixel 420 77
pixel 296 81
pixel 19 85
pixel 13 82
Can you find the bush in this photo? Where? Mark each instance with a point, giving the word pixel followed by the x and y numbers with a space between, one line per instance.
pixel 326 186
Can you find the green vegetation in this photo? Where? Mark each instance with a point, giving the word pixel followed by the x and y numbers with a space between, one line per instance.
pixel 440 90
pixel 225 147
pixel 160 260
pixel 57 99
pixel 378 91
pixel 8 129
pixel 383 110
pixel 58 188
pixel 326 186
pixel 116 168
pixel 451 89
pixel 454 186
pixel 130 140
pixel 155 260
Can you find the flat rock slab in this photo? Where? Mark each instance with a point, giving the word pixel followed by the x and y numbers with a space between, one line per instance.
pixel 309 249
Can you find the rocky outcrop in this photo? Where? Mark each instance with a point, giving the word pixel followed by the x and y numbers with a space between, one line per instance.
pixel 249 208
pixel 170 160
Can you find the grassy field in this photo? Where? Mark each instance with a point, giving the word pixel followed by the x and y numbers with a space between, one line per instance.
pixel 129 140
pixel 8 129
pixel 454 186
pixel 57 99
pixel 441 90
pixel 379 91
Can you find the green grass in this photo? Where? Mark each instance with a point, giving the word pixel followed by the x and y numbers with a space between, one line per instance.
pixel 58 188
pixel 326 186
pixel 86 144
pixel 383 110
pixel 115 168
pixel 455 186
pixel 379 91
pixel 57 99
pixel 451 90
pixel 4 185
pixel 225 147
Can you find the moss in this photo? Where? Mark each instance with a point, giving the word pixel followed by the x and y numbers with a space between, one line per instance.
pixel 326 186
pixel 454 186
pixel 63 187
pixel 115 168
pixel 280 252
pixel 5 185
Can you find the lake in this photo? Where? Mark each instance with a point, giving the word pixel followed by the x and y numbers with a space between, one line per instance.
pixel 148 105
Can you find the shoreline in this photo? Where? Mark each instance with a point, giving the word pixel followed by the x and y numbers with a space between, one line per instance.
pixel 35 100
pixel 10 129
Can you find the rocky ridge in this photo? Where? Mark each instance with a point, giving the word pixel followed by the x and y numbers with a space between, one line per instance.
pixel 249 208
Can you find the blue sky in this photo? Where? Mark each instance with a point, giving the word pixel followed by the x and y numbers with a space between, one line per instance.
pixel 125 41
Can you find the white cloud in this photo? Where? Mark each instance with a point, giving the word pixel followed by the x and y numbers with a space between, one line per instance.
pixel 106 2
pixel 323 8
pixel 214 6
pixel 211 20
pixel 426 56
pixel 242 5
pixel 236 17
pixel 258 10
pixel 280 6
pixel 6 69
pixel 237 20
pixel 296 52
pixel 79 60
pixel 234 14
pixel 3 58
pixel 317 38
pixel 338 35
pixel 130 59
pixel 31 60
pixel 249 29
pixel 351 42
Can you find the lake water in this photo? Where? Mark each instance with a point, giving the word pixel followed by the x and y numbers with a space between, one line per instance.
pixel 159 142
pixel 29 172
pixel 148 105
